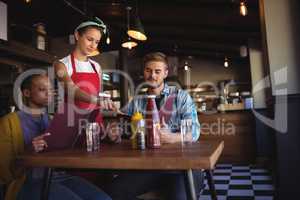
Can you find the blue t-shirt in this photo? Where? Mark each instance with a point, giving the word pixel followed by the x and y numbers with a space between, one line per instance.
pixel 32 126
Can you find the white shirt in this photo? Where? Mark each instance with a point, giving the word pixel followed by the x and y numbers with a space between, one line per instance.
pixel 80 66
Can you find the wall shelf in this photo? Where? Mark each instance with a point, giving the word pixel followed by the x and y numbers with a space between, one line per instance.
pixel 21 53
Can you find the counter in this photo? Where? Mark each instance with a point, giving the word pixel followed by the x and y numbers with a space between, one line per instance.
pixel 236 129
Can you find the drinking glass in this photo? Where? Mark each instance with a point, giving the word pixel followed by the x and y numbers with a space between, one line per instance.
pixel 92 137
pixel 186 131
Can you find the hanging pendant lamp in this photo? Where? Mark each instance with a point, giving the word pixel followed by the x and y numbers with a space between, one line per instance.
pixel 136 30
pixel 128 42
pixel 243 8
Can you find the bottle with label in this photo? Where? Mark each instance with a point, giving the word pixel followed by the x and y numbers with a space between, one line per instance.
pixel 152 123
pixel 135 121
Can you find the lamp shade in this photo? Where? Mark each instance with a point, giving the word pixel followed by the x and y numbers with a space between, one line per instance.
pixel 243 8
pixel 136 30
pixel 128 43
pixel 94 53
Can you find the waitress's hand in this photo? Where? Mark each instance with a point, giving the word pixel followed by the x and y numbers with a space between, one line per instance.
pixel 38 143
pixel 107 104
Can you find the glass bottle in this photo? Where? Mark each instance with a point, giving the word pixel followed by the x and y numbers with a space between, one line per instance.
pixel 152 123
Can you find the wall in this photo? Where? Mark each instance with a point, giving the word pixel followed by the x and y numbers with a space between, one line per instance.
pixel 60 47
pixel 6 75
pixel 257 73
pixel 280 23
pixel 281 18
pixel 212 70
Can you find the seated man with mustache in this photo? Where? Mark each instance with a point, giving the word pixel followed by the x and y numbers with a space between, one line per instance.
pixel 173 105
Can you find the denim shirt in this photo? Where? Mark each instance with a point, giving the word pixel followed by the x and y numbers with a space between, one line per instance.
pixel 183 108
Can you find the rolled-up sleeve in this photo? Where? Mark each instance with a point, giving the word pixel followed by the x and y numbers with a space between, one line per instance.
pixel 128 109
pixel 188 110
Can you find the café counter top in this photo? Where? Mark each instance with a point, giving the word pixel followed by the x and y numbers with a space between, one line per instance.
pixel 236 128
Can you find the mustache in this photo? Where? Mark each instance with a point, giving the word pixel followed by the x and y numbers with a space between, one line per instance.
pixel 151 79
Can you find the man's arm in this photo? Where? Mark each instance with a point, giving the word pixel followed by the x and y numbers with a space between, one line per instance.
pixel 11 144
pixel 186 110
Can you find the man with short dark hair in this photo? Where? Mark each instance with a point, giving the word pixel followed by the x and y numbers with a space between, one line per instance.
pixel 25 129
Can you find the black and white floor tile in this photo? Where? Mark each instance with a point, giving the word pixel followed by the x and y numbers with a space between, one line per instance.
pixel 234 182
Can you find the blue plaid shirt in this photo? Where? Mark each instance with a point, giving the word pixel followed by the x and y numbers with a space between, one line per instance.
pixel 183 108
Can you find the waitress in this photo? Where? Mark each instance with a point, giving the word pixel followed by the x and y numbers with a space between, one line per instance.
pixel 81 76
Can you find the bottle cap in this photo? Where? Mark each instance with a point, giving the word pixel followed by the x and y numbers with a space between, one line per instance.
pixel 151 96
pixel 141 123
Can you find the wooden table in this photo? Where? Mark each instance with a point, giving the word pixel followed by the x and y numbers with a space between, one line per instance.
pixel 201 155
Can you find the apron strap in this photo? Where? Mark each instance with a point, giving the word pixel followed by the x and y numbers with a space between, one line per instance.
pixel 74 68
pixel 73 63
pixel 93 66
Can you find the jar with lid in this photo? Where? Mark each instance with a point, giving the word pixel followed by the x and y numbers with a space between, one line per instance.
pixel 40 39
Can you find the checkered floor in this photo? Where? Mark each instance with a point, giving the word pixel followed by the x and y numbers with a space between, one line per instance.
pixel 241 183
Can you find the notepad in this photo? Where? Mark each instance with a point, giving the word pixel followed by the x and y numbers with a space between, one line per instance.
pixel 65 128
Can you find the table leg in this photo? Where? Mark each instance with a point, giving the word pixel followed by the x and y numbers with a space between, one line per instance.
pixel 211 184
pixel 46 183
pixel 189 185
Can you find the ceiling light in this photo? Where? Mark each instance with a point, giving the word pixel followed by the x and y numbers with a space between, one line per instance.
pixel 107 40
pixel 243 8
pixel 128 42
pixel 226 62
pixel 94 53
pixel 107 37
pixel 186 66
pixel 136 30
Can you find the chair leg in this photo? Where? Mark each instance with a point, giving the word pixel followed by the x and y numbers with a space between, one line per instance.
pixel 189 185
pixel 46 183
pixel 211 184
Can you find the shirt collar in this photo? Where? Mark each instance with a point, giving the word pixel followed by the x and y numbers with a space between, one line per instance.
pixel 166 90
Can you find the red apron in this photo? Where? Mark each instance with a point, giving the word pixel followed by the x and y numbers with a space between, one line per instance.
pixel 89 83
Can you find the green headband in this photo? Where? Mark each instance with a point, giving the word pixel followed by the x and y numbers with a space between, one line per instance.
pixel 98 22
